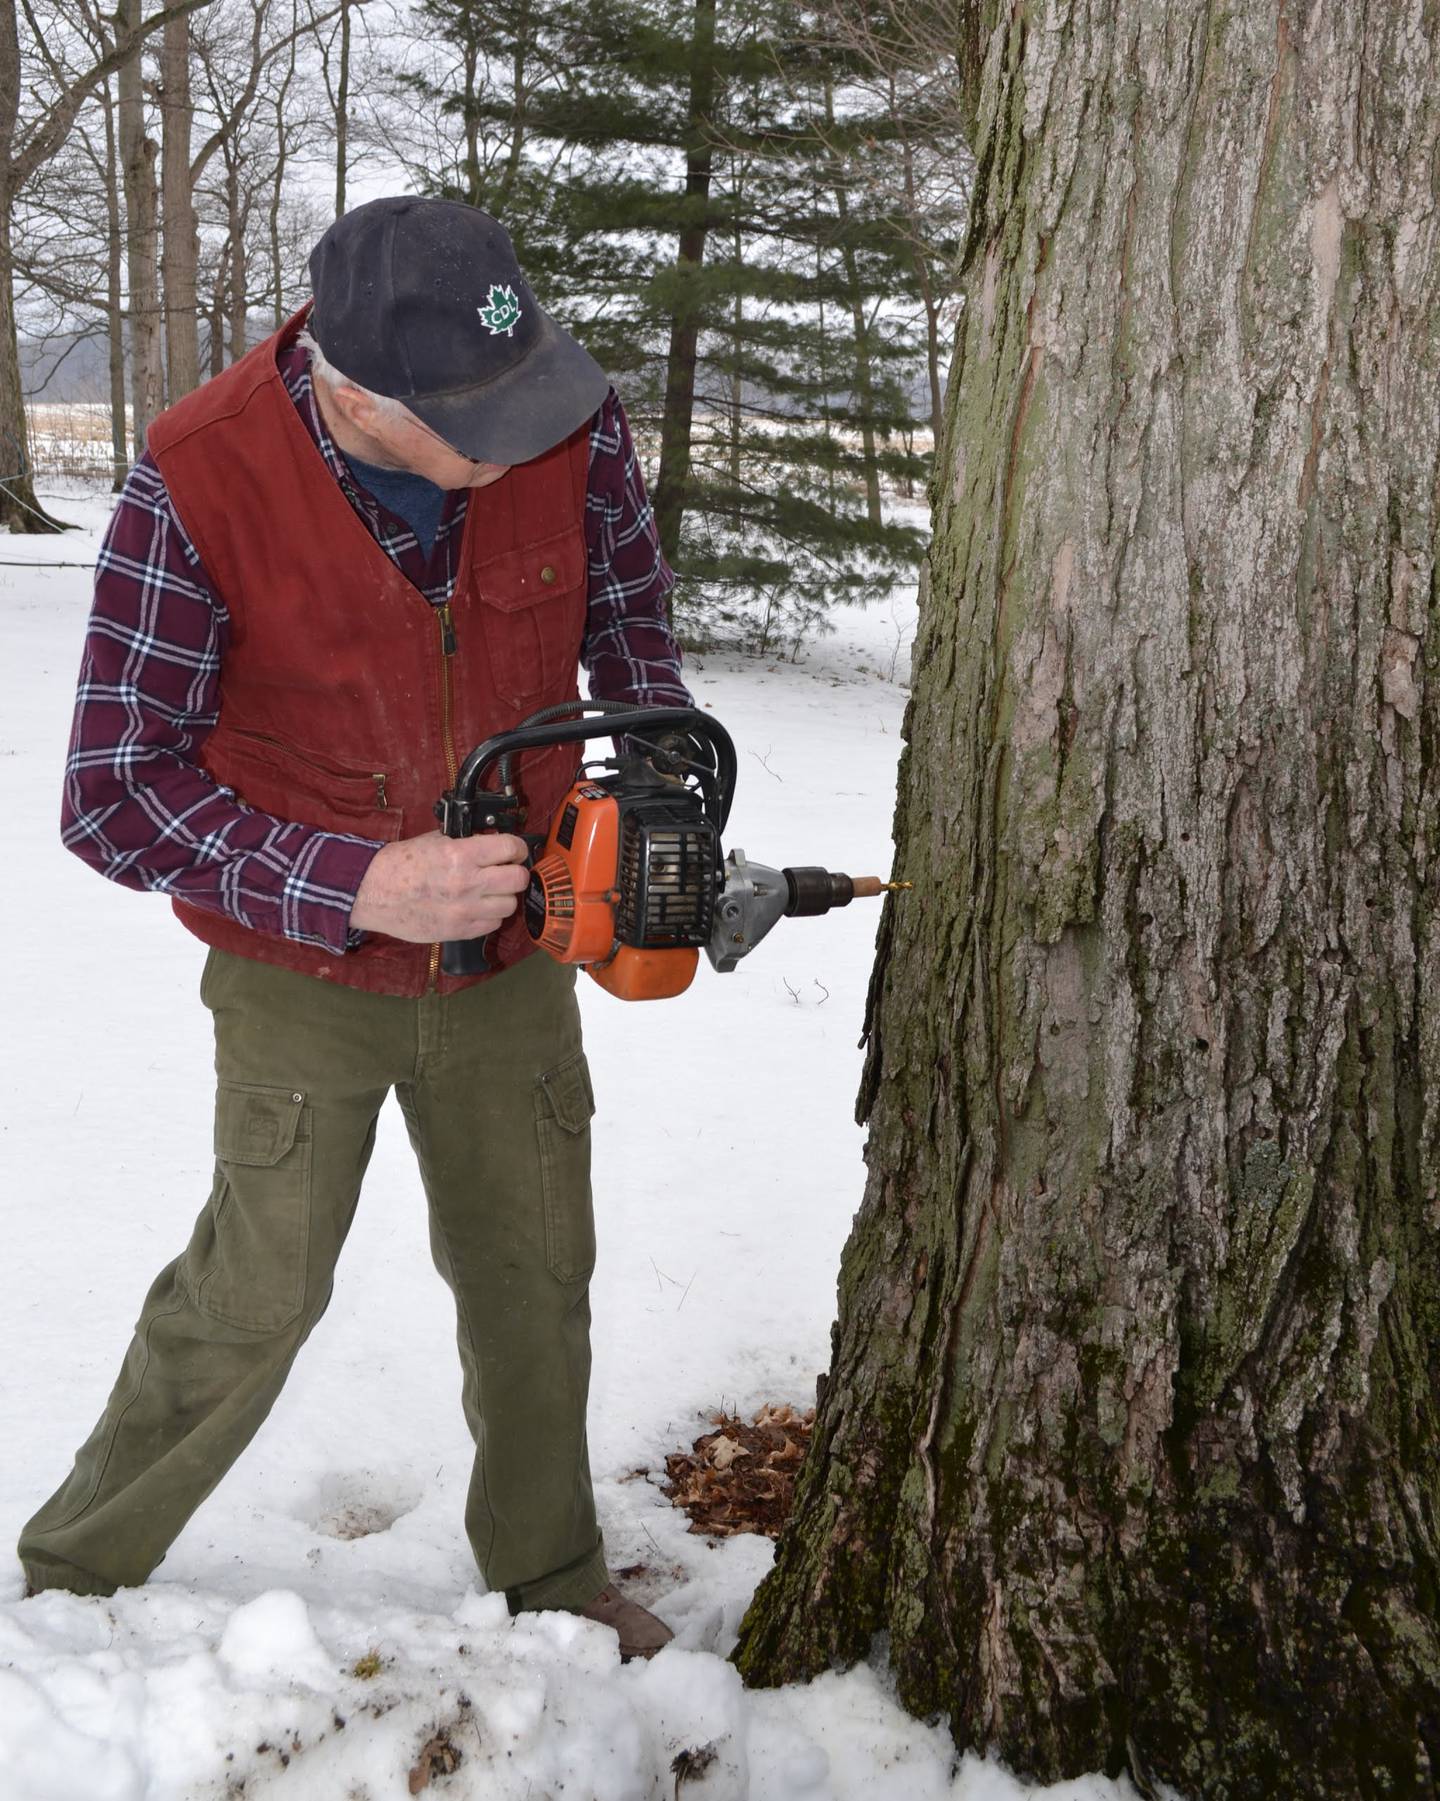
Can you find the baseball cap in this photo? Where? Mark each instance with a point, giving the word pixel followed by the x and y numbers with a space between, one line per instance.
pixel 423 300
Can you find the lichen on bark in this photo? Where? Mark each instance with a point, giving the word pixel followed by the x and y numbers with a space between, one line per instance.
pixel 1131 1438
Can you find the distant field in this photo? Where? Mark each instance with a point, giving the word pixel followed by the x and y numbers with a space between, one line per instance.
pixel 70 437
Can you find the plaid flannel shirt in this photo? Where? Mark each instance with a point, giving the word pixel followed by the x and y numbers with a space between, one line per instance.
pixel 139 807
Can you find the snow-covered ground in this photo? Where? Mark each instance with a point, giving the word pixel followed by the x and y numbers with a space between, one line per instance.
pixel 727 1169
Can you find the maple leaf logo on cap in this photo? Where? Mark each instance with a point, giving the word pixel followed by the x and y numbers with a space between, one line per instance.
pixel 501 311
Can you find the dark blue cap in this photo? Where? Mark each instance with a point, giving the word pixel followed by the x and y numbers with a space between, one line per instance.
pixel 424 300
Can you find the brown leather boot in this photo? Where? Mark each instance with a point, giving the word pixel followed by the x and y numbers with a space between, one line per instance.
pixel 640 1633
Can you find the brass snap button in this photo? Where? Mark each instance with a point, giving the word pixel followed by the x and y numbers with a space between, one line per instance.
pixel 547 574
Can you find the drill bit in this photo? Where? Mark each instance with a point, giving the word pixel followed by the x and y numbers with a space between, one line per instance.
pixel 867 885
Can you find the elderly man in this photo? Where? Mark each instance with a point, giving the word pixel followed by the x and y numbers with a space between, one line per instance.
pixel 391 530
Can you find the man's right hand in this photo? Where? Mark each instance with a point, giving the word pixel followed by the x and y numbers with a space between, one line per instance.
pixel 435 888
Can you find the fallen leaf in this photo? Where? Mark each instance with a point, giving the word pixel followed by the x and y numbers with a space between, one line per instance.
pixel 438 1757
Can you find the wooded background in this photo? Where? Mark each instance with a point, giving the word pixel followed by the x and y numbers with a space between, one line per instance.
pixel 749 210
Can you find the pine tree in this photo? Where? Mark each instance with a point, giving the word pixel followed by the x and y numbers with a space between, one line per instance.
pixel 657 164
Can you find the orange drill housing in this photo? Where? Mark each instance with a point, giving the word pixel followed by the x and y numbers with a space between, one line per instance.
pixel 570 907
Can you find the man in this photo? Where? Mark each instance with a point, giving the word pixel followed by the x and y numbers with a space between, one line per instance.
pixel 391 530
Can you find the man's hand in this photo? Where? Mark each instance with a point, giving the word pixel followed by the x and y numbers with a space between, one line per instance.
pixel 437 888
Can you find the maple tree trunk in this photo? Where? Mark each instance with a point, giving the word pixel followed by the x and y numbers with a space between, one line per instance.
pixel 1131 1437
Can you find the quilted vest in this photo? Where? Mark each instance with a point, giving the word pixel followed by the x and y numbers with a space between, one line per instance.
pixel 347 700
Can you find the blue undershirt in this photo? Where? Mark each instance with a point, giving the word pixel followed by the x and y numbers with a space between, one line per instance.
pixel 409 497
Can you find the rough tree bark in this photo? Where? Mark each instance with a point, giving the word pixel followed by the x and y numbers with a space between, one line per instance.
pixel 1131 1438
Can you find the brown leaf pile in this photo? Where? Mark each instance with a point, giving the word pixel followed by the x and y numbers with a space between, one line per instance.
pixel 741 1478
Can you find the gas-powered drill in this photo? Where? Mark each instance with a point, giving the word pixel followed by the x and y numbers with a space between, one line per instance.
pixel 630 880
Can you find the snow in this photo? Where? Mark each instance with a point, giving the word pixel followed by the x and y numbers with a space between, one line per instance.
pixel 320 1621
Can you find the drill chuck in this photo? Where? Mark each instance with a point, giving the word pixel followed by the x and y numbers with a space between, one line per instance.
pixel 816 891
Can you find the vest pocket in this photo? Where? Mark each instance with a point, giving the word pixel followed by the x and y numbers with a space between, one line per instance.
pixel 246 1263
pixel 534 605
pixel 301 785
pixel 564 1105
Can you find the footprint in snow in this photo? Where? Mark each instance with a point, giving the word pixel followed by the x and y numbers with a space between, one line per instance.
pixel 359 1503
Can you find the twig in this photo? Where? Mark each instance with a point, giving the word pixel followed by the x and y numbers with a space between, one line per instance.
pixel 794 992
pixel 823 989
pixel 764 762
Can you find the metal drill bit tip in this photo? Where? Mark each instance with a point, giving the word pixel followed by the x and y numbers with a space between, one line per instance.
pixel 866 886
pixel 896 887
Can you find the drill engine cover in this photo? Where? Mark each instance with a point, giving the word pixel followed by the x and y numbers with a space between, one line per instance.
pixel 626 883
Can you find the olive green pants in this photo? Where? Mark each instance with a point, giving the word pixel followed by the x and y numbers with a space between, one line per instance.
pixel 496 1094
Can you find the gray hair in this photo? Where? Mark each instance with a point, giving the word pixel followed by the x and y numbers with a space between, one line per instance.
pixel 324 370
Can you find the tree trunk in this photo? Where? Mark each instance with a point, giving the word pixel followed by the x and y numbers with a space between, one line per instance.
pixel 217 312
pixel 20 511
pixel 677 417
pixel 737 342
pixel 342 111
pixel 864 387
pixel 519 122
pixel 925 282
pixel 277 189
pixel 137 161
pixel 472 118
pixel 181 241
pixel 239 261
pixel 115 299
pixel 1131 1438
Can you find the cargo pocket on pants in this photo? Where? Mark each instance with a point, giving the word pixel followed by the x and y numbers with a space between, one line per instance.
pixel 246 1265
pixel 564 1105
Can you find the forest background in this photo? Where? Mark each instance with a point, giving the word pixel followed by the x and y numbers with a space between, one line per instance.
pixel 749 210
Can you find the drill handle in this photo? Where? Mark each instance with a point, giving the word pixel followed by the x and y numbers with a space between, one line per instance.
pixel 464 819
pixel 464 956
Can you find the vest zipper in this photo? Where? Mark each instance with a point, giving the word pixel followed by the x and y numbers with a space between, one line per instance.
pixel 446 623
pixel 382 799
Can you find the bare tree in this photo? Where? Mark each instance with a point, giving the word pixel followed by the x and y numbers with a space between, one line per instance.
pixel 35 121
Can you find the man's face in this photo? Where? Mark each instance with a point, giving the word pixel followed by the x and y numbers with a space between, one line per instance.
pixel 406 443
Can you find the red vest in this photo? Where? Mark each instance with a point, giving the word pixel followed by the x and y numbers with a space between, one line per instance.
pixel 342 704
